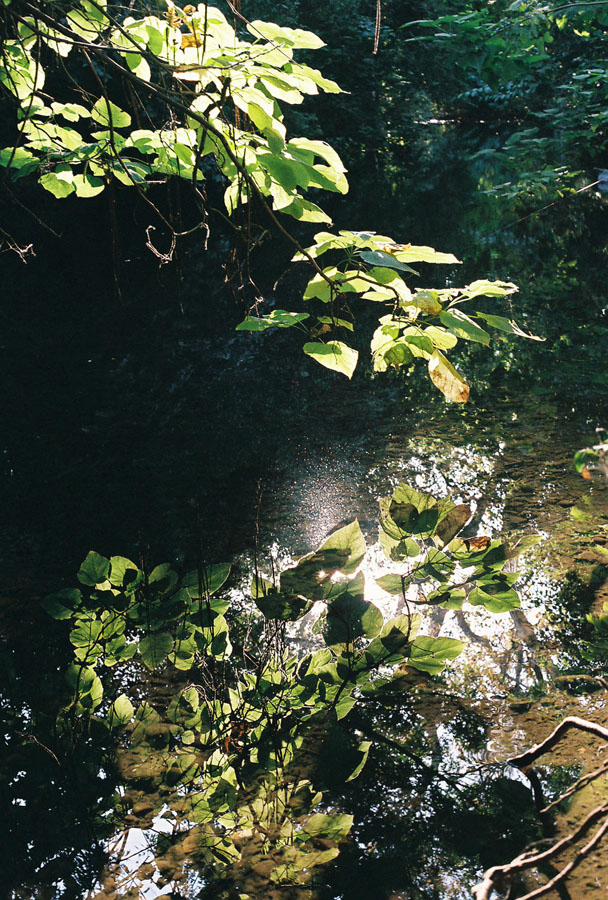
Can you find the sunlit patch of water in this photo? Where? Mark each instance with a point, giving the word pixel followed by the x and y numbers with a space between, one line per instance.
pixel 133 865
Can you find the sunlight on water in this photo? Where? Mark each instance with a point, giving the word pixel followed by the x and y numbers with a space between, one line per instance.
pixel 133 863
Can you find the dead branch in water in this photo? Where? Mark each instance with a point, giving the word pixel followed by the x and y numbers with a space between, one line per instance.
pixel 498 877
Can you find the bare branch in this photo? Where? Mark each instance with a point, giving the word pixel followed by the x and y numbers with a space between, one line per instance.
pixel 565 725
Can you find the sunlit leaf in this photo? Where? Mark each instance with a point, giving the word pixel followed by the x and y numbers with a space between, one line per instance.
pixel 342 551
pixel 379 258
pixel 121 711
pixel 408 253
pixel 276 605
pixel 411 511
pixel 162 578
pixel 427 302
pixel 334 355
pixel 333 321
pixel 392 584
pixel 88 185
pixel 497 596
pixel 279 318
pixel 59 187
pixel 109 115
pixel 155 648
pixel 94 570
pixel 440 338
pixel 123 571
pixel 460 324
pixel 484 288
pixel 430 654
pixel 328 825
pixel 291 37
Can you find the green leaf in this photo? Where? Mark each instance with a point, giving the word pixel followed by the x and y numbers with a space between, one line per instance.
pixel 83 25
pixel 410 511
pixel 121 711
pixel 460 324
pixel 333 321
pixel 305 211
pixel 276 605
pixel 94 569
pixel 277 318
pixel 330 87
pixel 508 326
pixel 85 682
pixel 397 355
pixel 334 826
pixel 349 542
pixel 317 661
pixel 379 258
pixel 419 344
pixel 290 37
pixel 496 595
pixel 429 654
pixel 62 604
pixel 447 597
pixel 334 355
pixel 304 147
pixel 484 288
pixel 392 644
pixel 445 377
pixel 342 551
pixel 397 549
pixel 363 751
pixel 409 253
pixel 436 566
pixel 56 185
pixel 441 339
pixel 344 705
pixel 123 572
pixel 209 578
pixel 392 584
pixel 88 185
pixel 19 159
pixel 155 648
pixel 428 302
pixel 110 115
pixel 349 615
pixel 70 111
pixel 162 579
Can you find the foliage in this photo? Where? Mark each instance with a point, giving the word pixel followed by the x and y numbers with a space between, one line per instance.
pixel 241 717
pixel 423 324
pixel 538 70
pixel 215 96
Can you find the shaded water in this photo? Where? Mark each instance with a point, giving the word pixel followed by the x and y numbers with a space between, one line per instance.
pixel 173 443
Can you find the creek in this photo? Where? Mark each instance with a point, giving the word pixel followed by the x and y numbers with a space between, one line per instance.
pixel 140 431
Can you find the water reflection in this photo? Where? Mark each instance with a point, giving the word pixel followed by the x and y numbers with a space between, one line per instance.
pixel 432 808
pixel 228 776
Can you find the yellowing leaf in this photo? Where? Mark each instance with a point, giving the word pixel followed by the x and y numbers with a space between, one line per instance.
pixel 445 377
